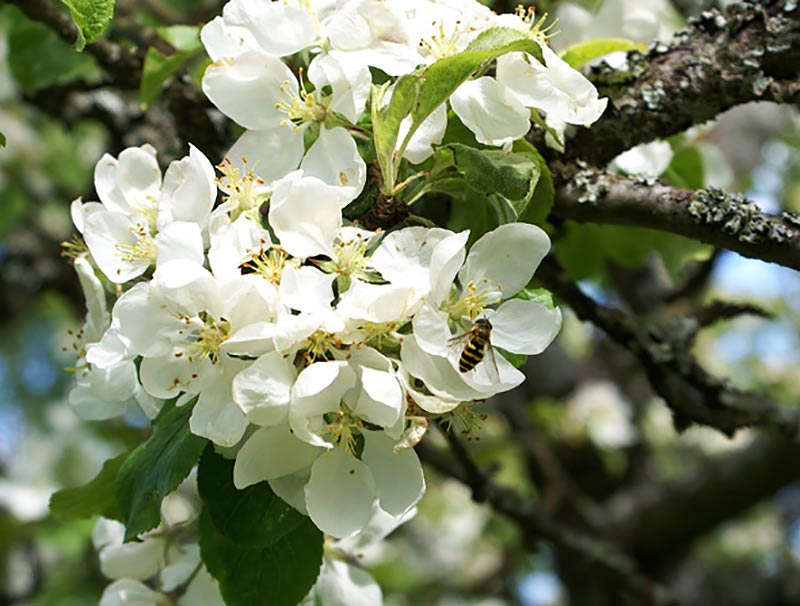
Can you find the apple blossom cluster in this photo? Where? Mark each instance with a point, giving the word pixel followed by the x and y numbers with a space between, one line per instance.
pixel 310 349
pixel 318 347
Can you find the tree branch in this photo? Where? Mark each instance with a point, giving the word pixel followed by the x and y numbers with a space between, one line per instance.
pixel 656 520
pixel 749 53
pixel 710 215
pixel 124 66
pixel 189 108
pixel 691 393
pixel 535 526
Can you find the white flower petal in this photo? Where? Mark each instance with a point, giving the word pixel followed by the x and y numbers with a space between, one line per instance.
pixel 247 88
pixel 79 210
pixel 380 397
pixel 105 233
pixel 431 330
pixel 223 40
pixel 524 327
pixel 649 159
pixel 180 568
pixel 559 89
pixel 428 134
pixel 399 480
pixel 376 34
pixel 340 584
pixel 291 488
pixel 215 416
pixel 438 373
pixel 488 109
pixel 127 592
pixel 97 316
pixel 279 29
pixel 305 215
pixel 133 560
pixel 180 255
pixel 505 258
pixel 166 376
pixel 404 256
pixel 103 393
pixel 340 493
pixel 320 386
pixel 130 183
pixel 202 591
pixel 271 452
pixel 270 153
pixel 349 82
pixel 334 159
pixel 306 289
pixel 189 190
pixel 485 378
pixel 263 389
pixel 144 330
pixel 377 302
pixel 234 243
pixel 447 258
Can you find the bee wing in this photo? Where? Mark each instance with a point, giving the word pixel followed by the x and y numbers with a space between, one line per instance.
pixel 456 344
pixel 491 364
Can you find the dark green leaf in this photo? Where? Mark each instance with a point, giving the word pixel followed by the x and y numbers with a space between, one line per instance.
pixel 543 196
pixel 492 171
pixel 156 468
pixel 516 359
pixel 469 210
pixel 588 50
pixel 97 497
pixel 420 93
pixel 38 58
pixel 92 18
pixel 157 69
pixel 252 517
pixel 277 575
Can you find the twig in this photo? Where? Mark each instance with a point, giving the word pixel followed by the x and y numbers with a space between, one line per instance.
pixel 691 393
pixel 711 215
pixel 535 526
pixel 751 52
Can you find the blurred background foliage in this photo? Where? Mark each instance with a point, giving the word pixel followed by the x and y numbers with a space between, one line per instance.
pixel 588 399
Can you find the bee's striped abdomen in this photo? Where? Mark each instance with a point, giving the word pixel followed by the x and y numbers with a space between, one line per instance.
pixel 472 354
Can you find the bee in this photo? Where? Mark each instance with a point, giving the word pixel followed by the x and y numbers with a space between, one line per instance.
pixel 477 343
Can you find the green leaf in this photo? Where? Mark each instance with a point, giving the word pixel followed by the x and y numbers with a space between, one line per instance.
pixel 686 169
pixel 157 69
pixel 420 93
pixel 517 360
pixel 584 250
pixel 280 574
pixel 386 121
pixel 92 18
pixel 96 497
pixel 252 517
pixel 182 37
pixel 469 210
pixel 541 202
pixel 492 171
pixel 156 468
pixel 588 50
pixel 542 296
pixel 38 58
